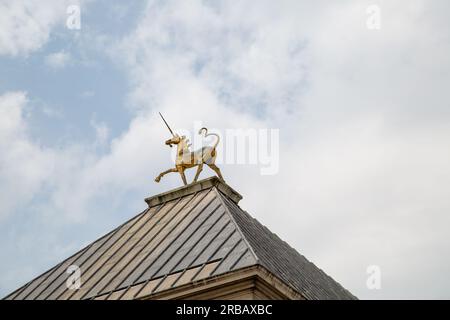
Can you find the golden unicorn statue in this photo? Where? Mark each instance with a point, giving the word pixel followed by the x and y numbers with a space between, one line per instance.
pixel 186 158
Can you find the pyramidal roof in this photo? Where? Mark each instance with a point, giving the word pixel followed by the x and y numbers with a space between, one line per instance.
pixel 187 235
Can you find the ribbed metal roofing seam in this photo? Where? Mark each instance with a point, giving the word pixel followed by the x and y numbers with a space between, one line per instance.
pixel 195 236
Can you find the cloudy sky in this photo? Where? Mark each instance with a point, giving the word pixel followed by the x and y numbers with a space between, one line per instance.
pixel 363 114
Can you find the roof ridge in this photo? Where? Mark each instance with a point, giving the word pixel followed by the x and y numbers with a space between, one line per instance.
pixel 294 250
pixel 238 228
pixel 335 287
pixel 179 230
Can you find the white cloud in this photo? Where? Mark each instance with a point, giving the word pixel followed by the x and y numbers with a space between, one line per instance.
pixel 71 175
pixel 364 158
pixel 25 26
pixel 58 60
pixel 101 132
pixel 24 166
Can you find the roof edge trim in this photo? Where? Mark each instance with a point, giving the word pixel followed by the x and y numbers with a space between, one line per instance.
pixel 192 188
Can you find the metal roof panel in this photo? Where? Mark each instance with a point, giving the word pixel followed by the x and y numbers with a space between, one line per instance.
pixel 185 235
